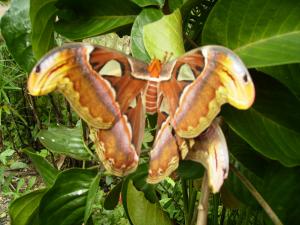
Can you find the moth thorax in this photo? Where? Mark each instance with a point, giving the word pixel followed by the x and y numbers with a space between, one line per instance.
pixel 154 68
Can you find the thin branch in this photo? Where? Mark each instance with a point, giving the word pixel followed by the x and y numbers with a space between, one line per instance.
pixel 192 201
pixel 31 103
pixel 56 110
pixel 69 113
pixel 29 121
pixel 191 41
pixel 269 211
pixel 53 160
pixel 14 122
pixel 203 202
pixel 215 209
pixel 223 213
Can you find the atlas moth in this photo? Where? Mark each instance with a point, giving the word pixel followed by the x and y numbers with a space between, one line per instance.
pixel 113 92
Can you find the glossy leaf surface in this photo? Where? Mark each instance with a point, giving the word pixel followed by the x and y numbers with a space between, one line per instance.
pixel 167 37
pixel 188 169
pixel 137 43
pixel 66 200
pixel 139 180
pixel 141 211
pixel 15 29
pixel 23 210
pixel 44 168
pixel 89 18
pixel 63 140
pixel 144 3
pixel 113 197
pixel 287 75
pixel 262 33
pixel 42 15
pixel 271 126
pixel 245 154
pixel 91 197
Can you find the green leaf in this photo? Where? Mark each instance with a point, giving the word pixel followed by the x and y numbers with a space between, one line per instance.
pixel 265 135
pixel 6 154
pixel 112 199
pixel 23 210
pixel 271 126
pixel 139 180
pixel 43 167
pixel 272 97
pixel 141 211
pixel 164 35
pixel 31 182
pixel 145 3
pixel 286 74
pixel 20 184
pixel 67 141
pixel 15 29
pixel 147 16
pixel 281 190
pixel 239 195
pixel 91 197
pixel 188 169
pixel 278 187
pixel 262 33
pixel 66 200
pixel 83 19
pixel 245 154
pixel 175 4
pixel 18 165
pixel 42 15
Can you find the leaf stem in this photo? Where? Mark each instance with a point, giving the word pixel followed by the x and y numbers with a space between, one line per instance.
pixel 192 201
pixel 185 200
pixel 269 211
pixel 56 110
pixel 69 113
pixel 215 208
pixel 203 202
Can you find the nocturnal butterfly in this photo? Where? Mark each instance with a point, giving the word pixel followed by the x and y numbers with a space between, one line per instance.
pixel 113 92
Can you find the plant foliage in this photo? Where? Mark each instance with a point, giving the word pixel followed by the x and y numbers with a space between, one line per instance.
pixel 264 141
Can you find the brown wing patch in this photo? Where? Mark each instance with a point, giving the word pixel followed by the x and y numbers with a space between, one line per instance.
pixel 115 149
pixel 164 157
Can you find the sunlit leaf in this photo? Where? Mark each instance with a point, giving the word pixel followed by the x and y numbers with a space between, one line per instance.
pixel 23 210
pixel 164 36
pixel 66 201
pixel 63 140
pixel 139 180
pixel 141 211
pixel 91 197
pixel 18 165
pixel 44 168
pixel 15 29
pixel 148 15
pixel 262 33
pixel 42 16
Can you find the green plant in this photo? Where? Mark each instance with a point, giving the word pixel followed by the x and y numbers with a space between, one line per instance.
pixel 263 141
